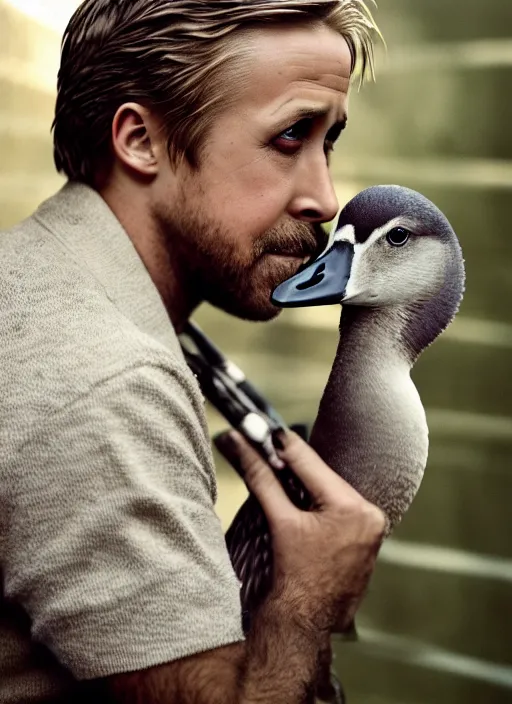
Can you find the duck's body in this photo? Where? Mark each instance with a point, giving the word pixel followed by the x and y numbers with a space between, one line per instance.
pixel 396 265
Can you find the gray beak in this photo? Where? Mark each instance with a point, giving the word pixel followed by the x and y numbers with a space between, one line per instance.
pixel 321 282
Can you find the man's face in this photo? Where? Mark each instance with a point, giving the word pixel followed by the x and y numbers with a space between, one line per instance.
pixel 245 219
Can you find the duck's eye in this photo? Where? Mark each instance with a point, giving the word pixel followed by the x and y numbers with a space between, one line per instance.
pixel 398 236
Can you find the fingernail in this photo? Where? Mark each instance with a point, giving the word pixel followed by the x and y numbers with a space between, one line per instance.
pixel 276 462
pixel 278 437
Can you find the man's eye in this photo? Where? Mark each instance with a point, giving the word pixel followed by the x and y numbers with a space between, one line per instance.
pixel 298 131
pixel 291 139
pixel 331 137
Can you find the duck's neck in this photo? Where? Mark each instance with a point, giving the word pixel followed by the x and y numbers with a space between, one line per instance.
pixel 371 427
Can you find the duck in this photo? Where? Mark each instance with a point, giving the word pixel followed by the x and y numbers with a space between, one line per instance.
pixel 394 263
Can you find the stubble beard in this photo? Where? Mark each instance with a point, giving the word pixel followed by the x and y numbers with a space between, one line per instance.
pixel 240 283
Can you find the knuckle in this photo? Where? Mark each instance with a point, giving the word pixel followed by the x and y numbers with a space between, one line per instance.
pixel 350 502
pixel 254 470
pixel 258 476
pixel 297 449
pixel 286 525
pixel 375 521
pixel 252 464
pixel 293 446
pixel 370 517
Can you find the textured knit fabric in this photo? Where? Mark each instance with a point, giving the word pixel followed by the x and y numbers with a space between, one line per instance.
pixel 112 557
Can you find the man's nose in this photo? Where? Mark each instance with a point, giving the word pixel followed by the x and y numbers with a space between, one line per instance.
pixel 315 198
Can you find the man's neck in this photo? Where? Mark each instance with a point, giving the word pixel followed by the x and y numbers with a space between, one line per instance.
pixel 166 270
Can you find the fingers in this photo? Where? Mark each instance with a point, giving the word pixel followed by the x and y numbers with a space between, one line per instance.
pixel 256 473
pixel 318 478
pixel 326 488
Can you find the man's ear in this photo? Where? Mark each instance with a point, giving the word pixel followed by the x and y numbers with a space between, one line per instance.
pixel 135 139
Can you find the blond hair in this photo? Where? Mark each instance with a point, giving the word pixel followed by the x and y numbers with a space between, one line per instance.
pixel 171 56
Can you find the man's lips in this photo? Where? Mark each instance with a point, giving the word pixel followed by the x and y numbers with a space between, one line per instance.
pixel 302 256
pixel 310 248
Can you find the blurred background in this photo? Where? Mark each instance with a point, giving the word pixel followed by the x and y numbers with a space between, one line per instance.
pixel 437 623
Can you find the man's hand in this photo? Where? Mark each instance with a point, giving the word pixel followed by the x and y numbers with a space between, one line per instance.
pixel 323 560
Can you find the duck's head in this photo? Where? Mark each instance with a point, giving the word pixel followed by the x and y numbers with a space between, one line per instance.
pixel 390 246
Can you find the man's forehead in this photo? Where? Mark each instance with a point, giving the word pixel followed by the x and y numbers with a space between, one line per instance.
pixel 311 78
pixel 310 65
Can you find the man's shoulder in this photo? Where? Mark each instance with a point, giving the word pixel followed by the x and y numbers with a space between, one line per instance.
pixel 32 259
pixel 60 332
pixel 48 298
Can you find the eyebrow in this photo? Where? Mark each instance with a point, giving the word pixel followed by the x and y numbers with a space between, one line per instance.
pixel 312 114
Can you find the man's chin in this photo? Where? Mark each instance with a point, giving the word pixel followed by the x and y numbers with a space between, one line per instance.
pixel 254 313
pixel 260 316
pixel 252 306
pixel 249 298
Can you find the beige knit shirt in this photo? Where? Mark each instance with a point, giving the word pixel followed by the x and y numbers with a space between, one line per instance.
pixel 111 555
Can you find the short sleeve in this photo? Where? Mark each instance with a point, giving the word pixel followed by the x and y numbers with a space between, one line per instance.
pixel 113 547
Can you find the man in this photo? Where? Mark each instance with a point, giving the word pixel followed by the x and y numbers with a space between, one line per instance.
pixel 195 136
